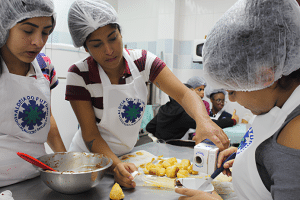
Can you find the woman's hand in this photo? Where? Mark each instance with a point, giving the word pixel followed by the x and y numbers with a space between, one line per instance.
pixel 209 130
pixel 122 174
pixel 196 194
pixel 222 156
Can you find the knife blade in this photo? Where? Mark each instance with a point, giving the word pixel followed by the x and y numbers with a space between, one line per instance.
pixel 216 173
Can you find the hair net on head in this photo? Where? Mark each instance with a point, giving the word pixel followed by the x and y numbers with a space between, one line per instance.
pixel 196 81
pixel 14 11
pixel 255 43
pixel 209 91
pixel 86 16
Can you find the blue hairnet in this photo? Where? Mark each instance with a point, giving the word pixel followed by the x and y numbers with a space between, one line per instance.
pixel 254 44
pixel 86 16
pixel 14 11
pixel 196 81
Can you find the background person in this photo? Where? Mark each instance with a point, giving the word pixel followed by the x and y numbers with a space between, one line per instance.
pixel 217 112
pixel 171 121
pixel 107 90
pixel 199 84
pixel 261 72
pixel 26 79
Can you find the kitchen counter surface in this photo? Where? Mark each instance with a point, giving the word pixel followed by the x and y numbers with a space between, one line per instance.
pixel 35 189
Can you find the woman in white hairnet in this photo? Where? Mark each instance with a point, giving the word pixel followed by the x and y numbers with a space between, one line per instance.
pixel 107 90
pixel 199 84
pixel 26 79
pixel 254 53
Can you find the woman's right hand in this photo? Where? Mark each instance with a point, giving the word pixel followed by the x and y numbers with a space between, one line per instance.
pixel 122 174
pixel 222 157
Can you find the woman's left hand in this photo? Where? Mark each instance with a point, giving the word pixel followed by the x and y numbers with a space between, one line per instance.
pixel 122 174
pixel 196 194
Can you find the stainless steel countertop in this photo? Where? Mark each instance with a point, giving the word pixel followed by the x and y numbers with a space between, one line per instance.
pixel 35 189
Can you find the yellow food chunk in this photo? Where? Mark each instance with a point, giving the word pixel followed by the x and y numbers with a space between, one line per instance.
pixel 139 153
pixel 161 172
pixel 142 166
pixel 149 166
pixel 191 171
pixel 159 157
pixel 166 164
pixel 171 171
pixel 116 192
pixel 153 171
pixel 185 163
pixel 182 173
pixel 172 161
pixel 146 171
pixel 194 172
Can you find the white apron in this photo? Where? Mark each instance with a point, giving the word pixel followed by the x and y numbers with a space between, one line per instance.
pixel 246 180
pixel 24 122
pixel 123 109
pixel 216 117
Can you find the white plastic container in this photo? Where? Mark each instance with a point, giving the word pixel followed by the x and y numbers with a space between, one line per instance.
pixel 205 157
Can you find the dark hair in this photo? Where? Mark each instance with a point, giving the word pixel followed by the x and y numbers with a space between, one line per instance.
pixel 112 25
pixel 285 82
pixel 188 85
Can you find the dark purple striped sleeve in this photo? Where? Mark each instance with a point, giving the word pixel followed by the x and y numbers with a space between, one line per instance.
pixel 156 68
pixel 76 85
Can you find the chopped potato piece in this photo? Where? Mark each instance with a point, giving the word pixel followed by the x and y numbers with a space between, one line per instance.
pixel 161 172
pixel 185 163
pixel 182 173
pixel 172 161
pixel 171 172
pixel 191 171
pixel 166 164
pixel 116 192
pixel 149 166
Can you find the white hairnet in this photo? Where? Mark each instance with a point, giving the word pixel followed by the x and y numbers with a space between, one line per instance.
pixel 255 43
pixel 196 81
pixel 86 16
pixel 14 11
pixel 210 91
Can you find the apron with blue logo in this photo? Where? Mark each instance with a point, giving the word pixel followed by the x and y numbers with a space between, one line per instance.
pixel 24 122
pixel 123 109
pixel 245 177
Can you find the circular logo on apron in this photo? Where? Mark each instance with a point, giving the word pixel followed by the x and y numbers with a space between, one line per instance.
pixel 31 114
pixel 246 141
pixel 130 111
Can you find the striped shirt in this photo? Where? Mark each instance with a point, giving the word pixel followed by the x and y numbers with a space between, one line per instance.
pixel 47 70
pixel 84 82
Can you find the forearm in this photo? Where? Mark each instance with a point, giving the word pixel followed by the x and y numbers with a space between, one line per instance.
pixel 54 139
pixel 195 107
pixel 96 144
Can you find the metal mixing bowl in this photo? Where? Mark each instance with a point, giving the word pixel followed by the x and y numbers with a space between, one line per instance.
pixel 76 171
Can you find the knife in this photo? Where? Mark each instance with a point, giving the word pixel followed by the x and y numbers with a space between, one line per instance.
pixel 216 173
